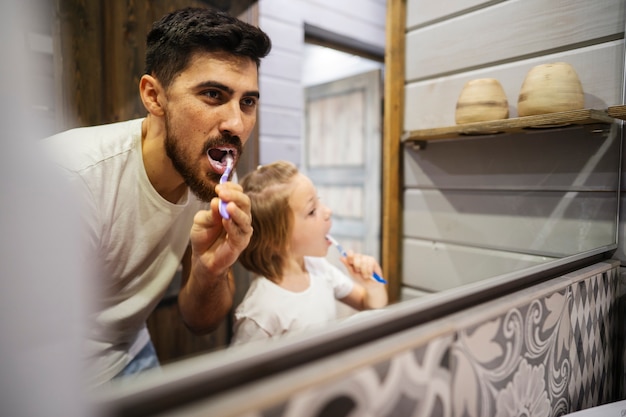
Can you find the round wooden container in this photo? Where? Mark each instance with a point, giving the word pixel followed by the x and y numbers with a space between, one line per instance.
pixel 481 100
pixel 550 88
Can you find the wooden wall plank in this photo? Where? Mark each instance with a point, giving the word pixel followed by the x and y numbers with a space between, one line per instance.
pixel 392 151
pixel 547 223
pixel 123 59
pixel 431 103
pixel 563 159
pixel 103 47
pixel 509 31
pixel 174 341
pixel 78 61
pixel 435 266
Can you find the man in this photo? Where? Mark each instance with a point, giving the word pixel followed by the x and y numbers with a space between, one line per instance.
pixel 150 186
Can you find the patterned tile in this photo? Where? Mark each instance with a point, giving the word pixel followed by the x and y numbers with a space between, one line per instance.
pixel 550 356
pixel 513 364
pixel 593 322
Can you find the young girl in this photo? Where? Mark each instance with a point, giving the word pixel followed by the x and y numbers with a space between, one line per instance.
pixel 296 286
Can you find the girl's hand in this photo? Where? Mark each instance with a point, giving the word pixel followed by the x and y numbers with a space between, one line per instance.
pixel 361 267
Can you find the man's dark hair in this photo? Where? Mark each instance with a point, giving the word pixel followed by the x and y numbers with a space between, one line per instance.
pixel 177 36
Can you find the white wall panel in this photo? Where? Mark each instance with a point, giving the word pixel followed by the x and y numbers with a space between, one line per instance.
pixel 421 12
pixel 346 23
pixel 431 103
pixel 367 11
pixel 280 122
pixel 290 11
pixel 509 30
pixel 281 93
pixel 283 64
pixel 285 36
pixel 273 149
pixel 436 266
pixel 546 223
pixel 554 159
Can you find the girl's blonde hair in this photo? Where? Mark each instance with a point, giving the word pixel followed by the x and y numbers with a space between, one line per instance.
pixel 272 218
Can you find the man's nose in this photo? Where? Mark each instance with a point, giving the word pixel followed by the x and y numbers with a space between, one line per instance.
pixel 231 119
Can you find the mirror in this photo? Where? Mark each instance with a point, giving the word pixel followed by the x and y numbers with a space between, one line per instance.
pixel 491 205
pixel 558 188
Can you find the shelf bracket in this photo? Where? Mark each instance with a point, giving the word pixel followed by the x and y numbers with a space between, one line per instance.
pixel 417 145
pixel 596 128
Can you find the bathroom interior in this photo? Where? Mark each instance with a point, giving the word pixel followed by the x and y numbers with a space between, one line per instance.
pixel 501 240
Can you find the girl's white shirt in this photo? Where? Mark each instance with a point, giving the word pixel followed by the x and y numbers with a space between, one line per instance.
pixel 269 311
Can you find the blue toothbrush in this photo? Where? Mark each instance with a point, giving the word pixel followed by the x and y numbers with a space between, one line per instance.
pixel 343 253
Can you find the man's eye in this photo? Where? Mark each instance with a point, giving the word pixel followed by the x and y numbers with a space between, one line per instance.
pixel 249 102
pixel 214 94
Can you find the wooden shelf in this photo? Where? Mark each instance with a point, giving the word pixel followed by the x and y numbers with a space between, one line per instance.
pixel 519 124
pixel 618 112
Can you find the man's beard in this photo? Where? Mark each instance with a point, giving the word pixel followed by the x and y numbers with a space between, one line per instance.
pixel 201 187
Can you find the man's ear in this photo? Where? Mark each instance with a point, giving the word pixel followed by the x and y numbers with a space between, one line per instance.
pixel 152 94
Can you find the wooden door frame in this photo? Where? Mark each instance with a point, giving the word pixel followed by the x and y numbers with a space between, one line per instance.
pixel 391 246
pixel 367 176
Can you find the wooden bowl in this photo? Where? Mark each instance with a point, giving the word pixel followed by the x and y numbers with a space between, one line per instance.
pixel 550 88
pixel 481 100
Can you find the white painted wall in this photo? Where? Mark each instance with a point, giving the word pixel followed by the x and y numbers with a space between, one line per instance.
pixel 281 118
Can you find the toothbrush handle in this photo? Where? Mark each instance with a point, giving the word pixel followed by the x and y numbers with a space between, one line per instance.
pixel 378 278
pixel 222 205
pixel 223 211
pixel 223 179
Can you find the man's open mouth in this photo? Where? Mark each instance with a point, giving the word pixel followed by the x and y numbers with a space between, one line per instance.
pixel 217 157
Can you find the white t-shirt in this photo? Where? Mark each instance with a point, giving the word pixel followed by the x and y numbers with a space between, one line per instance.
pixel 269 310
pixel 136 238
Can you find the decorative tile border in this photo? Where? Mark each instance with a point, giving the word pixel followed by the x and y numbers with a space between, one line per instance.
pixel 549 356
pixel 593 319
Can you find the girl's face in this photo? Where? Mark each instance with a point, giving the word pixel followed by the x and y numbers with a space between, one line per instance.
pixel 312 219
